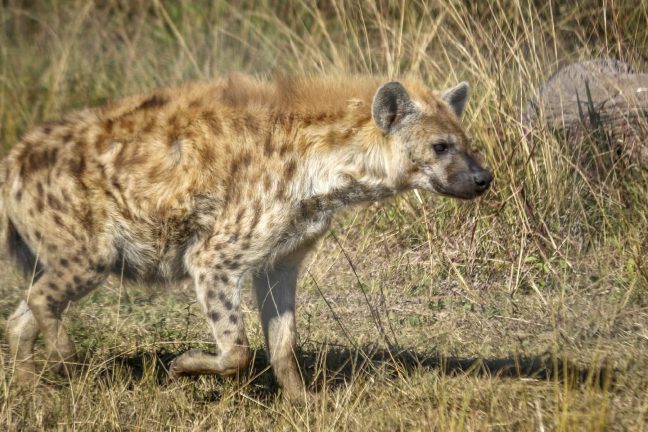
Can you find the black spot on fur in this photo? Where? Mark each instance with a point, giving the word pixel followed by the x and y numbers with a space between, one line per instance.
pixel 154 101
pixel 22 255
pixel 58 221
pixel 239 216
pixel 289 169
pixel 233 319
pixel 230 264
pixel 86 218
pixel 78 166
pixel 226 302
pixel 55 308
pixel 212 122
pixel 211 294
pixel 214 316
pixel 52 286
pixel 64 262
pixel 54 203
pixel 267 145
pixel 39 159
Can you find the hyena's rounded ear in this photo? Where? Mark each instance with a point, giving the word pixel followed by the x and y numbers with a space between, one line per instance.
pixel 391 104
pixel 456 97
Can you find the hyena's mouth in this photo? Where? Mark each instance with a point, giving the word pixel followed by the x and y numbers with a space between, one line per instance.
pixel 438 187
pixel 457 190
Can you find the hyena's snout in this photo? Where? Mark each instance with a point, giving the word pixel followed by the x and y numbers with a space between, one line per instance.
pixel 469 182
pixel 482 179
pixel 476 178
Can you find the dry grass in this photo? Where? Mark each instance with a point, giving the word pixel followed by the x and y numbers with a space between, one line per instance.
pixel 526 310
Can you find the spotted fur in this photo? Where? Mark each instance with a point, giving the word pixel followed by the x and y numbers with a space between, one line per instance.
pixel 212 181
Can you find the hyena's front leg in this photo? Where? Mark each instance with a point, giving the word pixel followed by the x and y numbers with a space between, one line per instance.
pixel 275 292
pixel 216 275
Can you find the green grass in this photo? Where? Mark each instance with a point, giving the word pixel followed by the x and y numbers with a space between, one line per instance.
pixel 525 310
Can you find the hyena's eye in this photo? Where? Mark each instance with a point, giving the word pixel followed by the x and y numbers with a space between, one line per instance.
pixel 441 148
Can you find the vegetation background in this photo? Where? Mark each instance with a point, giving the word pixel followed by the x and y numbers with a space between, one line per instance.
pixel 524 310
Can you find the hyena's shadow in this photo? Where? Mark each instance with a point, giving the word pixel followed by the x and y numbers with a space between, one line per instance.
pixel 331 368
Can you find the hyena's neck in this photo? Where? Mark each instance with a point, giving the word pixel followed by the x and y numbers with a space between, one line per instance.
pixel 363 168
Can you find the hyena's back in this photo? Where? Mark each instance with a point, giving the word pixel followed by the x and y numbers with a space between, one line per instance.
pixel 131 185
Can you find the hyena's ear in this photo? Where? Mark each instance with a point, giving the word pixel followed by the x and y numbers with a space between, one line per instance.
pixel 456 97
pixel 391 104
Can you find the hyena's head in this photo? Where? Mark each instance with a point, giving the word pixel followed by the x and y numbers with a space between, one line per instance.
pixel 438 155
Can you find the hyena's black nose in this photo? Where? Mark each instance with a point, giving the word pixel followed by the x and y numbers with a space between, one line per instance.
pixel 482 179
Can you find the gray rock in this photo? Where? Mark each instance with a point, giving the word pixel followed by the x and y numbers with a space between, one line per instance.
pixel 604 97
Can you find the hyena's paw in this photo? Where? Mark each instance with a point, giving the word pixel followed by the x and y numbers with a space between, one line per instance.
pixel 181 365
pixel 301 397
pixel 66 369
pixel 197 362
pixel 290 381
pixel 65 364
pixel 24 374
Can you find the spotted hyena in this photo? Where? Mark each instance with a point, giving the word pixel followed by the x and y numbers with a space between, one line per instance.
pixel 212 181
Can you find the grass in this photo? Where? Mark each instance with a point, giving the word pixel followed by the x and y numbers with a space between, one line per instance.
pixel 525 310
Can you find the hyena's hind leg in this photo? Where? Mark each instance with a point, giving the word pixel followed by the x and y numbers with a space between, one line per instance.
pixel 22 331
pixel 63 281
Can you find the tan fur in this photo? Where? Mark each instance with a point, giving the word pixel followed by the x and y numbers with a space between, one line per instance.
pixel 209 181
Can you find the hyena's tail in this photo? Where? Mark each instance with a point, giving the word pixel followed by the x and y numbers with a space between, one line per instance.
pixel 11 242
pixel 4 220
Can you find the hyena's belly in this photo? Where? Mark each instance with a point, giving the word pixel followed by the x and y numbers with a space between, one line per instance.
pixel 151 252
